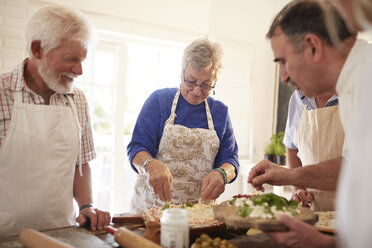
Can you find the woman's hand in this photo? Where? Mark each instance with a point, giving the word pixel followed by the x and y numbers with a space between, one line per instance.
pixel 160 179
pixel 302 195
pixel 212 186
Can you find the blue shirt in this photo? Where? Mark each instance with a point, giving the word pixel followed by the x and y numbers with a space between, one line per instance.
pixel 295 109
pixel 156 110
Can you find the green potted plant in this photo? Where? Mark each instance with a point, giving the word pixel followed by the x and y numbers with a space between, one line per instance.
pixel 275 150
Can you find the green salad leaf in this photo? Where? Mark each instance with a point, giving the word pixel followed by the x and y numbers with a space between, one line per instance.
pixel 166 206
pixel 244 210
pixel 267 201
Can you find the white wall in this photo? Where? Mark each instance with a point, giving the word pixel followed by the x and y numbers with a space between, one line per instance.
pixel 13 17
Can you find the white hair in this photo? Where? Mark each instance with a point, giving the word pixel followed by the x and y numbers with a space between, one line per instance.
pixel 51 25
pixel 203 54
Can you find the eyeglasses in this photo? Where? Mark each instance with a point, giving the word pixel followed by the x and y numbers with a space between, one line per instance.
pixel 192 85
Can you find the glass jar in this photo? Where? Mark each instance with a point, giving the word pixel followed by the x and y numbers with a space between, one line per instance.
pixel 174 228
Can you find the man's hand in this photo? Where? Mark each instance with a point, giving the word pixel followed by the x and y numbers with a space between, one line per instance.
pixel 160 179
pixel 267 172
pixel 97 218
pixel 301 235
pixel 302 195
pixel 212 186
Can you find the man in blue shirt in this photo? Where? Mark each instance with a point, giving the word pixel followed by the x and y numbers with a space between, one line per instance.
pixel 313 134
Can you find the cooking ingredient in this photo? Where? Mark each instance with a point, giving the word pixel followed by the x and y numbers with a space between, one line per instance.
pixel 174 228
pixel 129 239
pixel 31 238
pixel 265 206
pixel 204 241
pixel 198 214
pixel 327 221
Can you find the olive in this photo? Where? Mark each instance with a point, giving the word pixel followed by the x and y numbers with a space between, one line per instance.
pixel 204 236
pixel 204 244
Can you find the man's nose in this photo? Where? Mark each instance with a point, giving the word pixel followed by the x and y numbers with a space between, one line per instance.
pixel 77 69
pixel 284 77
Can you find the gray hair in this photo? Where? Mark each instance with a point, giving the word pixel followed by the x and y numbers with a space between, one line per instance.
pixel 365 8
pixel 202 54
pixel 51 25
pixel 301 17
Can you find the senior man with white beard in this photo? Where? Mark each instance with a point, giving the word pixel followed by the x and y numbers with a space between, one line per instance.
pixel 46 140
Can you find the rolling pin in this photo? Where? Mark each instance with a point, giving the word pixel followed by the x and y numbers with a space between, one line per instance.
pixel 31 238
pixel 128 239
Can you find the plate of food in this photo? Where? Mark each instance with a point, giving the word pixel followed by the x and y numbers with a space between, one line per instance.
pixel 258 211
pixel 326 221
pixel 200 216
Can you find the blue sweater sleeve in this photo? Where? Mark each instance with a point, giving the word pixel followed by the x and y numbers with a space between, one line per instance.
pixel 150 123
pixel 228 151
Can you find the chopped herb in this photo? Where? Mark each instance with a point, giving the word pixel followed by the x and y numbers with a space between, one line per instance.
pixel 267 201
pixel 245 210
pixel 166 206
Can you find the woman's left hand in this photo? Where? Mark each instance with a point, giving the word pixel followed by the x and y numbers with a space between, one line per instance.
pixel 212 186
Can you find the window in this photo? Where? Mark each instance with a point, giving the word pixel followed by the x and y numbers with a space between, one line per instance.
pixel 118 76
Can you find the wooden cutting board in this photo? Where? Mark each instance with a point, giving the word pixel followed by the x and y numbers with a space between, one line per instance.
pixel 228 214
pixel 74 236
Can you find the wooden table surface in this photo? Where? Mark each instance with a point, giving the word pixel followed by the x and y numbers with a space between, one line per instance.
pixel 83 238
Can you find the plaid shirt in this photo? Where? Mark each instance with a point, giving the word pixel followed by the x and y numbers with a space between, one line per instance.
pixel 14 81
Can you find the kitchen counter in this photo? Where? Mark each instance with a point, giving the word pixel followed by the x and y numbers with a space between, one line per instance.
pixel 82 238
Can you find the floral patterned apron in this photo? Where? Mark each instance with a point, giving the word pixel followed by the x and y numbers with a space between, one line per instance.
pixel 189 154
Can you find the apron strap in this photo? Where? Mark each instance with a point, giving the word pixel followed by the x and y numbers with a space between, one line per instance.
pixel 209 116
pixel 18 98
pixel 79 130
pixel 173 114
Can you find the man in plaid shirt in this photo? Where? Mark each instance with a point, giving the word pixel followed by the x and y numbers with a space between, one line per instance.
pixel 45 135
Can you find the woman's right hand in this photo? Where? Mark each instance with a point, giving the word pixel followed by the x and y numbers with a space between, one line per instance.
pixel 302 195
pixel 160 179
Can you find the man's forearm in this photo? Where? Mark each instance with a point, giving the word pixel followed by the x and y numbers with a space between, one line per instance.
pixel 83 186
pixel 292 159
pixel 319 176
pixel 293 162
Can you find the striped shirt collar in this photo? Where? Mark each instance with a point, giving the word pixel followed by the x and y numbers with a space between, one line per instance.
pixel 311 104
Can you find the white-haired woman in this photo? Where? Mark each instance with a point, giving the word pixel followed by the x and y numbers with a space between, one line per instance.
pixel 45 136
pixel 183 146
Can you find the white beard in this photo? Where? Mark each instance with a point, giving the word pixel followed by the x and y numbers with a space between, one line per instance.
pixel 53 81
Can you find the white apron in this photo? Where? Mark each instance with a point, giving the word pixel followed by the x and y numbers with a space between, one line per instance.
pixel 189 153
pixel 38 157
pixel 320 137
